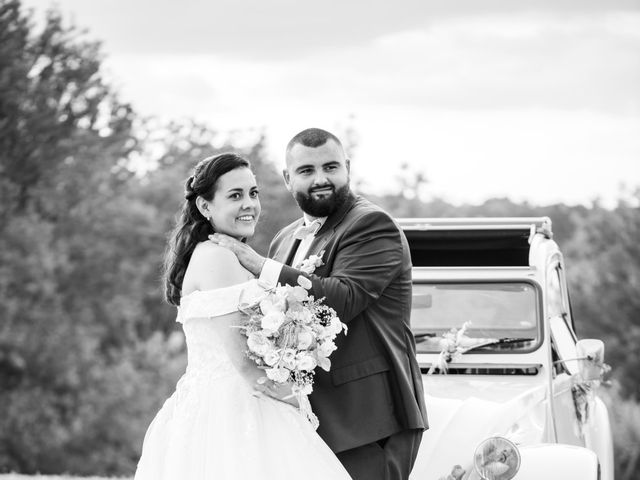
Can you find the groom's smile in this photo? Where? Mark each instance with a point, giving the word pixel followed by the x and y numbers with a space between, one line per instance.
pixel 322 192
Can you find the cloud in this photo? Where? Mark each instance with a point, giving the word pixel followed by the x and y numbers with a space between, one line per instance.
pixel 501 61
pixel 285 29
pixel 494 62
pixel 490 98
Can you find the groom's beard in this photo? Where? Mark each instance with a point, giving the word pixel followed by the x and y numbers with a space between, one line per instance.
pixel 322 207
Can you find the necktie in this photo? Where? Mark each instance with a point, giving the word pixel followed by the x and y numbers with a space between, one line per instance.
pixel 303 231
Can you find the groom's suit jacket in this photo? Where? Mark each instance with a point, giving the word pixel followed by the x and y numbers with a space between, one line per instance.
pixel 374 388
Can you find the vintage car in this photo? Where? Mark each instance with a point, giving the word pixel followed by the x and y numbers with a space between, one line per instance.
pixel 510 390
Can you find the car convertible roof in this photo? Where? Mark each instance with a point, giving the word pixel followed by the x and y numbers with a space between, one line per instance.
pixel 472 242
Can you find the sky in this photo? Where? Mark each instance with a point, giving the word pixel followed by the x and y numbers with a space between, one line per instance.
pixel 537 101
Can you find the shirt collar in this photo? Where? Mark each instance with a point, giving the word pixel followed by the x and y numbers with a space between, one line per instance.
pixel 308 220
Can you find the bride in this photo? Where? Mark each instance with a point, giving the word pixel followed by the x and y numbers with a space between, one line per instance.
pixel 216 425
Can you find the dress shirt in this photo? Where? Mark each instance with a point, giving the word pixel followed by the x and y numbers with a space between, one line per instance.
pixel 271 269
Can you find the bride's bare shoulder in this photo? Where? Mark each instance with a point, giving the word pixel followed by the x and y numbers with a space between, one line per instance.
pixel 212 266
pixel 208 251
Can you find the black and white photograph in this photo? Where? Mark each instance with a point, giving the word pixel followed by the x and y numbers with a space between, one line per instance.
pixel 359 240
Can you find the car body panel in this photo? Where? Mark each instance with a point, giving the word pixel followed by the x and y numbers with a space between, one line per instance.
pixel 464 413
pixel 557 461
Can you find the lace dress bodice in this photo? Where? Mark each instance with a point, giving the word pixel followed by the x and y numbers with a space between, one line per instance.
pixel 207 337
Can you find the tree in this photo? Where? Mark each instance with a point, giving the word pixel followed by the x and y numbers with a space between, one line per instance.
pixel 605 279
pixel 65 144
pixel 89 349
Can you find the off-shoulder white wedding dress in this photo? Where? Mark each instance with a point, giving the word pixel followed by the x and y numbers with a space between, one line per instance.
pixel 215 426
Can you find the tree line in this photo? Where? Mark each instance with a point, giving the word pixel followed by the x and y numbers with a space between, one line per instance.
pixel 89 190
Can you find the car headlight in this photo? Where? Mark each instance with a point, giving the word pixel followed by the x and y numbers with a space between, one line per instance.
pixel 497 458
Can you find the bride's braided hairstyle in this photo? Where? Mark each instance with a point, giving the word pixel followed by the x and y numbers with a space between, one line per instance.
pixel 192 227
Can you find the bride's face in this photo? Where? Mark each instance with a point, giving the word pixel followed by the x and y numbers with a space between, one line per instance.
pixel 235 206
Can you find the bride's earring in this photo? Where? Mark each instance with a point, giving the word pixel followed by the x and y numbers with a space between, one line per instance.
pixel 207 215
pixel 203 207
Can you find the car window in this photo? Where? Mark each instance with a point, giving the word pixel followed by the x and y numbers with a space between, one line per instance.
pixel 505 310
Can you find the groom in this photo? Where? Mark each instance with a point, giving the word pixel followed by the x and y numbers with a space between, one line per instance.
pixel 370 405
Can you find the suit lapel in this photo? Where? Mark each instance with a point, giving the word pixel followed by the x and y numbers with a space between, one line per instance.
pixel 330 225
pixel 287 248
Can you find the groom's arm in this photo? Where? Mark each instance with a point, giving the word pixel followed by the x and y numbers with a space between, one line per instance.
pixel 369 257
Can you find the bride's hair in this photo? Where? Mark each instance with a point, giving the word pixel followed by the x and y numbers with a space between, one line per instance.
pixel 192 227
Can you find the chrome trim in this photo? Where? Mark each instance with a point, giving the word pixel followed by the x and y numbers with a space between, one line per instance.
pixel 533 225
pixel 497 366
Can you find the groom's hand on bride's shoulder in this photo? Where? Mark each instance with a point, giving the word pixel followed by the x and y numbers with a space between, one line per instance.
pixel 247 256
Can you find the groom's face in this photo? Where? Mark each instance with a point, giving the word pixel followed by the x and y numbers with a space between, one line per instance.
pixel 318 177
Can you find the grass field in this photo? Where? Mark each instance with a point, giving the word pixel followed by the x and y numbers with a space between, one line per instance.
pixel 15 476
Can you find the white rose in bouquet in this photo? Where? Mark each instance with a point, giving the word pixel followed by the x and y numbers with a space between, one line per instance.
pixel 305 339
pixel 280 375
pixel 326 348
pixel 271 358
pixel 303 315
pixel 306 362
pixel 272 304
pixel 300 294
pixel 336 326
pixel 289 358
pixel 272 321
pixel 258 343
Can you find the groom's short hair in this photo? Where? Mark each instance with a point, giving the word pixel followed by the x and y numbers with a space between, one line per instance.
pixel 312 137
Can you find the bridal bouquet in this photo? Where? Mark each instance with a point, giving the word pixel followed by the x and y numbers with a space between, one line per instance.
pixel 289 334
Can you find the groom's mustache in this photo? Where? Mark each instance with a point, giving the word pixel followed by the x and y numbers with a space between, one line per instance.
pixel 321 188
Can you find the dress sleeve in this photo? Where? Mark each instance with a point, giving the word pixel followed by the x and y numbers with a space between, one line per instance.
pixel 210 303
